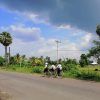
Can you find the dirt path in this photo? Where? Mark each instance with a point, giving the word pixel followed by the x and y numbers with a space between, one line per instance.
pixel 35 87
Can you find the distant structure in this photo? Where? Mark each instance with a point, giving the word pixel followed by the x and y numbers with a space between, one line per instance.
pixel 94 63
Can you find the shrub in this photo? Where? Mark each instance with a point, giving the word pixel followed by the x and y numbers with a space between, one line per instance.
pixel 37 69
pixel 89 75
pixel 2 61
pixel 75 72
pixel 69 67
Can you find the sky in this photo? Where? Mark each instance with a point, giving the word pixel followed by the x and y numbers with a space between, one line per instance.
pixel 35 25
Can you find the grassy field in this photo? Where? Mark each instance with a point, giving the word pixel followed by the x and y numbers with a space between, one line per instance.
pixel 89 73
pixel 86 73
pixel 38 69
pixel 90 68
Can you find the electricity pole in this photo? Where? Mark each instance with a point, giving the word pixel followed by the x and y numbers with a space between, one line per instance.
pixel 9 56
pixel 57 42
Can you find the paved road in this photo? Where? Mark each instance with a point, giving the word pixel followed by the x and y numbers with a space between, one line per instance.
pixel 35 87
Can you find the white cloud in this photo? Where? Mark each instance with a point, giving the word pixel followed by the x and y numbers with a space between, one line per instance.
pixel 67 49
pixel 44 47
pixel 86 40
pixel 23 32
pixel 35 18
pixel 64 26
pixel 73 31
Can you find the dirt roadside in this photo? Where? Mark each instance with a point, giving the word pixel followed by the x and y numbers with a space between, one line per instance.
pixel 4 96
pixel 34 87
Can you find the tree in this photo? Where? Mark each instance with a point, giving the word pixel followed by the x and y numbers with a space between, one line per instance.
pixel 32 61
pixel 83 60
pixel 38 62
pixel 13 60
pixel 98 30
pixel 95 51
pixel 5 40
pixel 23 58
pixel 48 59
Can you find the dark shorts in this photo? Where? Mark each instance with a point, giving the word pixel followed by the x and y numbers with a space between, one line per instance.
pixel 59 71
pixel 45 70
pixel 51 70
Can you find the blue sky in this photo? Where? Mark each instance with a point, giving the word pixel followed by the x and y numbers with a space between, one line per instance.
pixel 36 24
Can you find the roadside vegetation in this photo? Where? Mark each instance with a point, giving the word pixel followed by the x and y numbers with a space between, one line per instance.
pixel 72 68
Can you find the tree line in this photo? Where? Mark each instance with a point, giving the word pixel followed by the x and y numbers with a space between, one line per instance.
pixel 92 52
pixel 21 60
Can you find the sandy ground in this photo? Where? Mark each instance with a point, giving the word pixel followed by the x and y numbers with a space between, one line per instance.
pixel 4 96
pixel 35 87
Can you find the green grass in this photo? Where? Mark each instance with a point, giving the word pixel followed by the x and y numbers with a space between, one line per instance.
pixel 37 69
pixel 90 68
pixel 86 73
pixel 89 73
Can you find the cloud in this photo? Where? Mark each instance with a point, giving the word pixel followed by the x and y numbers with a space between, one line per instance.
pixel 82 14
pixel 86 40
pixel 77 18
pixel 66 49
pixel 22 32
pixel 34 18
pixel 47 48
pixel 64 27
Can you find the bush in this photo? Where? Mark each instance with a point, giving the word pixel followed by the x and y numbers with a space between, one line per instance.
pixel 2 61
pixel 69 67
pixel 89 75
pixel 37 69
pixel 75 72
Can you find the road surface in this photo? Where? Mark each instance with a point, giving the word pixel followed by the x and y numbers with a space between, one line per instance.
pixel 35 87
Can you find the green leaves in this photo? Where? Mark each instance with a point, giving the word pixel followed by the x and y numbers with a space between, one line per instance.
pixel 5 38
pixel 98 30
pixel 83 60
pixel 95 51
pixel 1 61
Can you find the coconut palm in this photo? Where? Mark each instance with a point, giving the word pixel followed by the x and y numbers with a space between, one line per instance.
pixel 5 40
pixel 98 30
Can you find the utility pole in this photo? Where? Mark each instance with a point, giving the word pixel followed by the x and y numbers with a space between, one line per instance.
pixel 9 56
pixel 57 42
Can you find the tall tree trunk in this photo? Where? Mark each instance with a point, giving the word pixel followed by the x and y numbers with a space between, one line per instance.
pixel 6 61
pixel 9 56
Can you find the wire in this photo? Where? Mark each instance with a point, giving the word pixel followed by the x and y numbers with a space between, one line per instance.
pixel 72 50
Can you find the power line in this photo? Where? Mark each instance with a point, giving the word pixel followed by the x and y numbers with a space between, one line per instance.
pixel 72 50
pixel 57 42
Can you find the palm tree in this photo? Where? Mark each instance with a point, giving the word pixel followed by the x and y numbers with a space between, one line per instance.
pixel 5 40
pixel 98 30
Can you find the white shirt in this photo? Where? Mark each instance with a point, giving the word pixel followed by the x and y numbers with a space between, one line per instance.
pixel 53 66
pixel 46 65
pixel 59 66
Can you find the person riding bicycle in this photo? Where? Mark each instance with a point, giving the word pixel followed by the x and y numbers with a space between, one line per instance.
pixel 59 69
pixel 46 69
pixel 52 69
